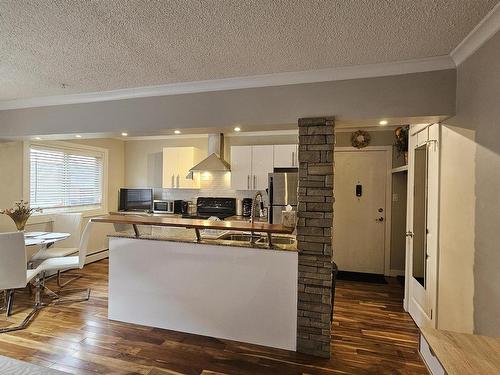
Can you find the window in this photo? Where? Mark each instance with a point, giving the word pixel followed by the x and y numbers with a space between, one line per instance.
pixel 65 178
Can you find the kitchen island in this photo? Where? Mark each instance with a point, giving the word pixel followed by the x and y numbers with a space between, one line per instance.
pixel 213 285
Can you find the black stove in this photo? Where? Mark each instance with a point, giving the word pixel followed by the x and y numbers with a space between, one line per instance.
pixel 219 207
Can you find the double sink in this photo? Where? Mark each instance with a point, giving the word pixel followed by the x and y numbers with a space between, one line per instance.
pixel 247 237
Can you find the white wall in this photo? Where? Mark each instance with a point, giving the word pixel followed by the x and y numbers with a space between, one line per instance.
pixel 11 180
pixel 478 109
pixel 456 230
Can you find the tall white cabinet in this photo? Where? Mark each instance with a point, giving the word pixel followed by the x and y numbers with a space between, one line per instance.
pixel 250 166
pixel 176 164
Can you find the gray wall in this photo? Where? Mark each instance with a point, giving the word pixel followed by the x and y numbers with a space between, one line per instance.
pixel 478 108
pixel 418 94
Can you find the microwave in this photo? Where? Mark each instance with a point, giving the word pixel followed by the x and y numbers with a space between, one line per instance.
pixel 163 206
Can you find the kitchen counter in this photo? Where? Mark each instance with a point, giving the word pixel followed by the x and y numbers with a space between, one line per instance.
pixel 196 224
pixel 188 236
pixel 179 216
pixel 163 221
pixel 219 288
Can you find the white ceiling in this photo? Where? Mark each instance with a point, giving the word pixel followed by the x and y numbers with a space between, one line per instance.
pixel 115 44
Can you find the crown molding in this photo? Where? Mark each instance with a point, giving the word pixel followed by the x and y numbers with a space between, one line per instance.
pixel 266 80
pixel 263 133
pixel 161 137
pixel 350 129
pixel 479 35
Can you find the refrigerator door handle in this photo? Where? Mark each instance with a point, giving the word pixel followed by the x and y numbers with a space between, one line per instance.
pixel 270 211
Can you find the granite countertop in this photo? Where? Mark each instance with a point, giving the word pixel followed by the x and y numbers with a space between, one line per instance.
pixel 188 235
pixel 246 218
pixel 150 214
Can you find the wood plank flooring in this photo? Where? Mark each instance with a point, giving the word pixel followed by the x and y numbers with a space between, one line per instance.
pixel 371 335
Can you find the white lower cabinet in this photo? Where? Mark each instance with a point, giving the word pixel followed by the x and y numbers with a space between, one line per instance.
pixel 250 166
pixel 429 358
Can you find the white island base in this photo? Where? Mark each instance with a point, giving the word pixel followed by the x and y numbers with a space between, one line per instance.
pixel 236 293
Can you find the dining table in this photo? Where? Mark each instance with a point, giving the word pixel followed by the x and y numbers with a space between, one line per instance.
pixel 43 240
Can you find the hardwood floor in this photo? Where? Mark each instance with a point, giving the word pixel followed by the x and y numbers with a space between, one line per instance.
pixel 371 335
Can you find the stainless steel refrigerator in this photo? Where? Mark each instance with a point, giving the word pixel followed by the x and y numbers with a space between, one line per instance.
pixel 282 190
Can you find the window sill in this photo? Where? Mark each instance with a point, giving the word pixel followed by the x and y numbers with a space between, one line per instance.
pixel 45 217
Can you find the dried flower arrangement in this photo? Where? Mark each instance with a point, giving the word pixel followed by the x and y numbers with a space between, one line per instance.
pixel 20 213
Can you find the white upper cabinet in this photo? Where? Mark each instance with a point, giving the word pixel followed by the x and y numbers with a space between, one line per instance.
pixel 286 156
pixel 262 165
pixel 241 167
pixel 176 164
pixel 250 166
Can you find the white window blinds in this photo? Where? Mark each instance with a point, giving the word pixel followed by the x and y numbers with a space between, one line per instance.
pixel 64 178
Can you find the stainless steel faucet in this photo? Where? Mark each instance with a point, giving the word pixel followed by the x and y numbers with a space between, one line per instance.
pixel 253 237
pixel 254 204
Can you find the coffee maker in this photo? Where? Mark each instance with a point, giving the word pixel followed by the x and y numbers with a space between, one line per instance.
pixel 247 207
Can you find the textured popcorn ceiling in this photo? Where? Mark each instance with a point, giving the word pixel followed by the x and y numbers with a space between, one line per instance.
pixel 112 44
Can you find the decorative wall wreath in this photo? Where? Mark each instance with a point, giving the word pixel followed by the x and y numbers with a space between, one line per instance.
pixel 360 139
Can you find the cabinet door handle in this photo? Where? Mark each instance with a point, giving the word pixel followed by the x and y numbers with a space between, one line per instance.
pixel 254 179
pixel 177 180
pixel 248 182
pixel 293 158
pixel 173 184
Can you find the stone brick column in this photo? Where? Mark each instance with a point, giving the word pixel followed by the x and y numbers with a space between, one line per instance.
pixel 314 241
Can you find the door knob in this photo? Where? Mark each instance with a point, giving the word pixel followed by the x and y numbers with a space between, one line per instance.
pixel 380 219
pixel 409 234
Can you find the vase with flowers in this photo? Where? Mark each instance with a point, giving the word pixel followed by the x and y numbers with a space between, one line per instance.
pixel 401 141
pixel 20 213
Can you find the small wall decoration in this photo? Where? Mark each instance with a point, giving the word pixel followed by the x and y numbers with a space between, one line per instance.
pixel 401 141
pixel 360 139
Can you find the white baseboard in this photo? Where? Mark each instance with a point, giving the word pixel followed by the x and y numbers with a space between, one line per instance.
pixel 394 273
pixel 94 257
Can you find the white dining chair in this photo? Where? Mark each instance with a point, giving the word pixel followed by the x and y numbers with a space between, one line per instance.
pixel 14 275
pixel 64 223
pixel 68 263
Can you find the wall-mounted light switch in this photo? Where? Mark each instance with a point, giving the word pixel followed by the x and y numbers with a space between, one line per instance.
pixel 359 190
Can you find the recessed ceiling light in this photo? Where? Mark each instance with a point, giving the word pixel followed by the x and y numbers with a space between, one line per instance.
pixel 177 131
pixel 124 134
pixel 237 129
pixel 78 136
pixel 38 138
pixel 383 122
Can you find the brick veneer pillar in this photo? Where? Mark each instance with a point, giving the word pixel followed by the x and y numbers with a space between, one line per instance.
pixel 314 241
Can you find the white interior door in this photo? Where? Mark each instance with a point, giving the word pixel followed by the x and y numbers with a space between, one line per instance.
pixel 360 220
pixel 422 224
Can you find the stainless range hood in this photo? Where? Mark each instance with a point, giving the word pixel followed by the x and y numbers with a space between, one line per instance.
pixel 215 161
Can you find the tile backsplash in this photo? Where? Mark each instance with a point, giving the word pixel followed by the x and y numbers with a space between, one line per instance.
pixel 212 184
